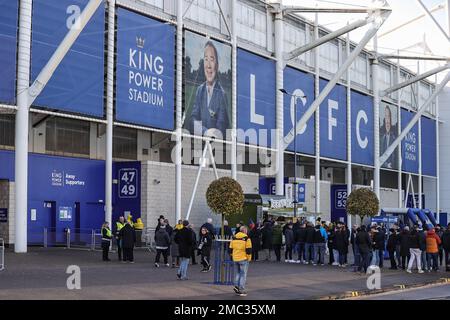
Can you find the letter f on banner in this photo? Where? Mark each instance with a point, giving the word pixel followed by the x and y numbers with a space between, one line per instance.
pixel 332 121
pixel 254 117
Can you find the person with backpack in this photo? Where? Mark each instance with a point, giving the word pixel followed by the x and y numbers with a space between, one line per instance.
pixel 432 243
pixel 320 240
pixel 204 248
pixel 162 241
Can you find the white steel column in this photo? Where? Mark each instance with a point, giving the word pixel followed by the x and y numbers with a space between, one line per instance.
pixel 349 131
pixel 420 142
pixel 179 101
pixel 438 191
pixel 376 119
pixel 109 111
pixel 317 115
pixel 234 89
pixel 399 150
pixel 21 131
pixel 279 54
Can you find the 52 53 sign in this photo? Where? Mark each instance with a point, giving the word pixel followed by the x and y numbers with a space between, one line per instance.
pixel 128 182
pixel 341 199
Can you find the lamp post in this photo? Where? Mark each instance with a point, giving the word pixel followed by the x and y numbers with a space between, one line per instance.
pixel 295 149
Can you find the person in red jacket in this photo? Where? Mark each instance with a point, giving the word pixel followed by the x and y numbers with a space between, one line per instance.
pixel 433 242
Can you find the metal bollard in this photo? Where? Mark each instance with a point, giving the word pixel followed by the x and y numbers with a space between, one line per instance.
pixel 68 238
pixel 93 240
pixel 45 238
pixel 2 255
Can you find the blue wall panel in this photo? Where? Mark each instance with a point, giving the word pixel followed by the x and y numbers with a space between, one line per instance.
pixel 77 84
pixel 362 129
pixel 333 123
pixel 429 147
pixel 410 144
pixel 256 88
pixel 299 84
pixel 8 50
pixel 145 71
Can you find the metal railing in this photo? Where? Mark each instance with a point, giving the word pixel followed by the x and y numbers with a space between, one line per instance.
pixel 2 254
pixel 223 264
pixel 149 236
pixel 87 239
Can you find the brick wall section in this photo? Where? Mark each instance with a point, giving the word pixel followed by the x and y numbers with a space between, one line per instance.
pixel 157 199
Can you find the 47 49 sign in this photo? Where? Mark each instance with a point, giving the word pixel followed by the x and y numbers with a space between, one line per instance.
pixel 128 182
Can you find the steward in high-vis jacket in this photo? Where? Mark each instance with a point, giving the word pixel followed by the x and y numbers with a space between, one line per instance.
pixel 119 225
pixel 106 240
pixel 241 253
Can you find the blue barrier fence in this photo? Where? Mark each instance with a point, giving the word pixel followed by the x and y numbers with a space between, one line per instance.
pixel 223 264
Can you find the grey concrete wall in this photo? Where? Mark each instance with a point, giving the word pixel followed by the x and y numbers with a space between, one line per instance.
pixel 159 198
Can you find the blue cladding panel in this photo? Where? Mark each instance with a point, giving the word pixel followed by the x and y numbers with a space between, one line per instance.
pixel 362 129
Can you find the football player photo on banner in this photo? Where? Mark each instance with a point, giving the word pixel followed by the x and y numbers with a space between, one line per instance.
pixel 77 85
pixel 388 133
pixel 362 129
pixel 410 144
pixel 256 99
pixel 301 86
pixel 333 123
pixel 207 86
pixel 145 71
pixel 8 50
pixel 429 156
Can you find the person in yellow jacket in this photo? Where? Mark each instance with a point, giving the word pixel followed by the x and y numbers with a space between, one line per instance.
pixel 241 253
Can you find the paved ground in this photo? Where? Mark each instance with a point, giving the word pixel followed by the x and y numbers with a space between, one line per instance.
pixel 41 274
pixel 432 292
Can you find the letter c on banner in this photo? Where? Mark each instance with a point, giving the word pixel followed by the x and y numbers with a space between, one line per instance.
pixel 298 94
pixel 361 116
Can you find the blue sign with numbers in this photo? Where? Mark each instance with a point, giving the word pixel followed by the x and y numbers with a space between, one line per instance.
pixel 338 203
pixel 128 178
pixel 301 192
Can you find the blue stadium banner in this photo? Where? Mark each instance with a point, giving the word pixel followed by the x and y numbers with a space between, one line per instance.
pixel 301 86
pixel 78 83
pixel 333 123
pixel 145 71
pixel 362 129
pixel 429 157
pixel 256 99
pixel 410 144
pixel 8 51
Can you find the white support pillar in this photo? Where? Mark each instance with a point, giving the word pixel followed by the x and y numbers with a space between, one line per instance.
pixel 317 119
pixel 21 131
pixel 420 184
pixel 399 149
pixel 349 131
pixel 438 191
pixel 109 111
pixel 179 101
pixel 279 54
pixel 234 89
pixel 376 120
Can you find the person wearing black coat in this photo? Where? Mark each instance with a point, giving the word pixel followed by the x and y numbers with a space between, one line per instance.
pixel 404 246
pixel 300 239
pixel 162 241
pixel 363 242
pixel 184 240
pixel 255 236
pixel 194 242
pixel 128 236
pixel 341 245
pixel 204 248
pixel 446 247
pixel 378 240
pixel 267 239
pixel 391 246
pixel 289 241
pixel 309 243
pixel 227 232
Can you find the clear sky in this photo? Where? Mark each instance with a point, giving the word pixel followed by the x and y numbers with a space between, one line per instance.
pixel 406 38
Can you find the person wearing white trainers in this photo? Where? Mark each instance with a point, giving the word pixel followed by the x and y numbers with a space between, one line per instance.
pixel 414 249
pixel 162 240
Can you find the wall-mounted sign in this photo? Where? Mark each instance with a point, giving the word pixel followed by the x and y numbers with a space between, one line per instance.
pixel 128 183
pixel 65 214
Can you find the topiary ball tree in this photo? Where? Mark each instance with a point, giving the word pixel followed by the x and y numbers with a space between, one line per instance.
pixel 226 197
pixel 363 202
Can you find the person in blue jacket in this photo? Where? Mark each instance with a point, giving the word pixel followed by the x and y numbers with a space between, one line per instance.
pixel 210 106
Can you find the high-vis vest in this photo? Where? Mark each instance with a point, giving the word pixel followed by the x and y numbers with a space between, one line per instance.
pixel 108 233
pixel 119 225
